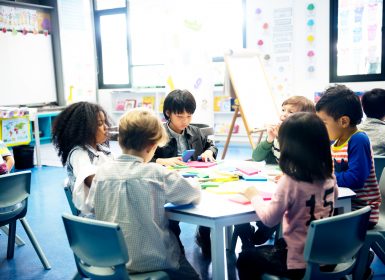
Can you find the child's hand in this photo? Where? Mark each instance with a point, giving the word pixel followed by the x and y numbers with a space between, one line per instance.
pixel 170 161
pixel 272 133
pixel 3 168
pixel 207 156
pixel 276 178
pixel 250 192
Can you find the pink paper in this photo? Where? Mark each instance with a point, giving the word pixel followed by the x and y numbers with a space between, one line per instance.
pixel 248 170
pixel 200 164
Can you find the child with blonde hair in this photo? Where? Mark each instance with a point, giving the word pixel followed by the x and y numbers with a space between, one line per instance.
pixel 132 192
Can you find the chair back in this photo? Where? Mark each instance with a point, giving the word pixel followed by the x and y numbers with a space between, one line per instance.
pixel 335 240
pixel 99 247
pixel 204 128
pixel 68 193
pixel 379 164
pixel 14 190
pixel 381 185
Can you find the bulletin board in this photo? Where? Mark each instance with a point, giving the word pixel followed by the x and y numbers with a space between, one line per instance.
pixel 27 74
pixel 15 130
pixel 248 79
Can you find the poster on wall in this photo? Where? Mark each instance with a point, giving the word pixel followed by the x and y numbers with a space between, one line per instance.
pixel 270 31
pixel 359 37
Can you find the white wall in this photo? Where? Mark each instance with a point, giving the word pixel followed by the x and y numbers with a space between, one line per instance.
pixel 304 83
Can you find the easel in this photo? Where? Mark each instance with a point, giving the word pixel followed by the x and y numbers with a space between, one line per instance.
pixel 237 114
pixel 246 80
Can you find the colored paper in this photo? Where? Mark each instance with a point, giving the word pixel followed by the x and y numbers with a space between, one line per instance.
pixel 248 170
pixel 200 164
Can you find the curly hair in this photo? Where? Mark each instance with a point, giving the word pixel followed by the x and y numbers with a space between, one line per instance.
pixel 75 126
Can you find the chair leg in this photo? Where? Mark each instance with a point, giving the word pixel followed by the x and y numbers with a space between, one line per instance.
pixel 35 244
pixel 11 239
pixel 18 240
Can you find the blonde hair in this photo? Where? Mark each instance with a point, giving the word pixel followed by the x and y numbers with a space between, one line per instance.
pixel 140 128
pixel 302 103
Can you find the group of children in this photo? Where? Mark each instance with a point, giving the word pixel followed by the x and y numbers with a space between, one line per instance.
pixel 317 148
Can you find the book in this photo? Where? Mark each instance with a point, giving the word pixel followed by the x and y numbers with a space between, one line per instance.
pixel 149 102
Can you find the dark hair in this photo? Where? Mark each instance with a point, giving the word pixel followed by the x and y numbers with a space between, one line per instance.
pixel 77 125
pixel 179 101
pixel 302 103
pixel 338 101
pixel 305 148
pixel 373 103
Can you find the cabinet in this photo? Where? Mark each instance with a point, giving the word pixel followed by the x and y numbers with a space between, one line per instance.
pixel 45 121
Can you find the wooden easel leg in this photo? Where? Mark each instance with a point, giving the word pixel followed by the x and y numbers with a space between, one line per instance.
pixel 236 112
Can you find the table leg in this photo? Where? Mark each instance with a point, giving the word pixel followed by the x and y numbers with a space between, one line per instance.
pixel 218 253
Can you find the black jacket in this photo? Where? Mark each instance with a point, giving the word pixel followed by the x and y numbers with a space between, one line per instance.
pixel 195 140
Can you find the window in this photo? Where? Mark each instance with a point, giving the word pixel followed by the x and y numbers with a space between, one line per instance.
pixel 356 45
pixel 136 52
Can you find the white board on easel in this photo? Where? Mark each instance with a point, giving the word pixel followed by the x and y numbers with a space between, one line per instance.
pixel 251 86
pixel 246 78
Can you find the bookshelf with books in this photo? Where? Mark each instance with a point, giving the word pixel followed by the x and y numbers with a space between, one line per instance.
pixel 124 100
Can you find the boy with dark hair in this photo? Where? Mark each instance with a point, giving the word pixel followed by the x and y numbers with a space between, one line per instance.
pixel 340 109
pixel 373 103
pixel 178 109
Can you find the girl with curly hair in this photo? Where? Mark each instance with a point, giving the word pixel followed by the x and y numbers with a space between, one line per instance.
pixel 80 135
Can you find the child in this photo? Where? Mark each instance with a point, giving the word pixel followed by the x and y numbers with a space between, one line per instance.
pixel 373 103
pixel 178 108
pixel 80 133
pixel 268 151
pixel 340 109
pixel 132 192
pixel 306 192
pixel 6 159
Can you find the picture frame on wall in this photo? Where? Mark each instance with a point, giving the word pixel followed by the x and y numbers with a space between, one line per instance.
pixel 356 41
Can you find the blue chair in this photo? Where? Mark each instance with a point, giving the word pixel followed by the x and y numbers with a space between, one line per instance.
pixel 14 193
pixel 68 193
pixel 100 250
pixel 375 238
pixel 379 164
pixel 336 240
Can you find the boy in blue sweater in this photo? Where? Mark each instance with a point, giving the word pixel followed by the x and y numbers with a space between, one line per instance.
pixel 341 111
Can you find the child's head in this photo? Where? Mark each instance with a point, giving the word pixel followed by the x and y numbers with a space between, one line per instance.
pixel 140 129
pixel 178 108
pixel 305 148
pixel 80 124
pixel 373 103
pixel 340 109
pixel 296 104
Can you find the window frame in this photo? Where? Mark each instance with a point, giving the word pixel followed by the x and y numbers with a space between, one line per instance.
pixel 126 10
pixel 333 77
pixel 97 15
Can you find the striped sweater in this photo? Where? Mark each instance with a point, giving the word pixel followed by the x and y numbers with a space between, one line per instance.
pixel 354 169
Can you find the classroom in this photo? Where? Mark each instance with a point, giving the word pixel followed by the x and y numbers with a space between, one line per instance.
pixel 99 95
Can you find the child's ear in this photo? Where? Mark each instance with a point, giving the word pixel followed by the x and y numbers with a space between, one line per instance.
pixel 151 148
pixel 345 121
pixel 167 113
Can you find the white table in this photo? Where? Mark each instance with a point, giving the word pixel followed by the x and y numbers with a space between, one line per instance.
pixel 217 213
